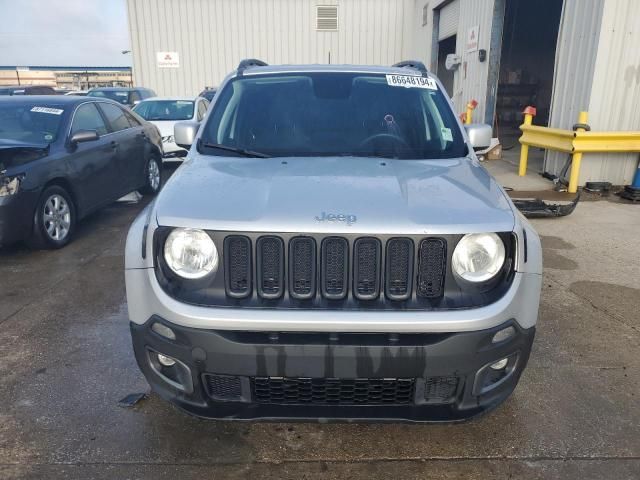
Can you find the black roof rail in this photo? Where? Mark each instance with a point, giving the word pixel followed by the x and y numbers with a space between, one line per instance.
pixel 250 62
pixel 415 64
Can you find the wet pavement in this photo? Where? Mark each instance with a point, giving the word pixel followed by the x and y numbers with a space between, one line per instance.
pixel 66 360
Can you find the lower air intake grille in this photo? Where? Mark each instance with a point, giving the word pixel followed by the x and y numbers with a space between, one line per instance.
pixel 431 267
pixel 237 266
pixel 440 389
pixel 302 264
pixel 335 257
pixel 223 387
pixel 333 391
pixel 399 269
pixel 270 262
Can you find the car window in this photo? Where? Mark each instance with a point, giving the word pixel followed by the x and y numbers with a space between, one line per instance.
pixel 31 122
pixel 133 121
pixel 335 114
pixel 120 96
pixel 115 116
pixel 87 117
pixel 134 97
pixel 202 109
pixel 169 110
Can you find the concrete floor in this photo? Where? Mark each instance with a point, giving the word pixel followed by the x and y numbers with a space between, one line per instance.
pixel 66 360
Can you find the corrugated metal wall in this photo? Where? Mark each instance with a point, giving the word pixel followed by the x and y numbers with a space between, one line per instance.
pixel 615 94
pixel 212 36
pixel 575 63
pixel 470 80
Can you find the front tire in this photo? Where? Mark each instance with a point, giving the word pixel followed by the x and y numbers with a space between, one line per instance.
pixel 54 219
pixel 153 177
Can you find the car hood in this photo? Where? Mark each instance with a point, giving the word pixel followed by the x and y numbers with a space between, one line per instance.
pixel 334 194
pixel 165 126
pixel 14 153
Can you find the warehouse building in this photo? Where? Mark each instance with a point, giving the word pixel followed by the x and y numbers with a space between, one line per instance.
pixel 562 56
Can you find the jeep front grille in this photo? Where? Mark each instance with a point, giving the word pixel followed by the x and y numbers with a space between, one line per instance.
pixel 344 269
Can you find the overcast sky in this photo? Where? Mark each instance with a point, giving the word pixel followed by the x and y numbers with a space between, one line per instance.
pixel 72 33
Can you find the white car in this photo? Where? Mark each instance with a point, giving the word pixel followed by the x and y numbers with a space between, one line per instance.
pixel 164 112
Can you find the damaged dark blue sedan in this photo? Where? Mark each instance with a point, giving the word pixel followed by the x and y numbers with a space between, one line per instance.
pixel 62 158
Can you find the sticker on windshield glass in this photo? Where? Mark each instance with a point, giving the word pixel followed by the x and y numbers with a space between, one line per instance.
pixel 447 136
pixel 52 111
pixel 411 81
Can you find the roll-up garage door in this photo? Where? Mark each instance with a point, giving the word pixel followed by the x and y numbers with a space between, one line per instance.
pixel 448 24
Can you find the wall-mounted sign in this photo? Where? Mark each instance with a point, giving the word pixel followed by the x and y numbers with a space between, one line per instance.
pixel 167 59
pixel 472 38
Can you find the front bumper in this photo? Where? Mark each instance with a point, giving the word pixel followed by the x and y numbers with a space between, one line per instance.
pixel 313 376
pixel 16 216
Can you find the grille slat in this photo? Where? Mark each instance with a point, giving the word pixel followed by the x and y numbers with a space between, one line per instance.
pixel 237 266
pixel 399 269
pixel 270 267
pixel 334 269
pixel 431 267
pixel 366 268
pixel 302 268
pixel 333 391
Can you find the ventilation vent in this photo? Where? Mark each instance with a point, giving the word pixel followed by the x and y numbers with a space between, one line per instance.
pixel 399 269
pixel 237 256
pixel 270 262
pixel 431 267
pixel 302 265
pixel 327 18
pixel 366 268
pixel 335 257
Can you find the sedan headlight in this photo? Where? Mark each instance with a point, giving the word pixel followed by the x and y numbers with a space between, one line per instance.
pixel 9 186
pixel 478 257
pixel 190 253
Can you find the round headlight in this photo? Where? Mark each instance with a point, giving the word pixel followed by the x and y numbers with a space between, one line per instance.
pixel 478 257
pixel 190 253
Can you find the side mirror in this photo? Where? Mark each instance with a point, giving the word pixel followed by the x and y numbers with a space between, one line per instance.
pixel 479 135
pixel 184 133
pixel 83 136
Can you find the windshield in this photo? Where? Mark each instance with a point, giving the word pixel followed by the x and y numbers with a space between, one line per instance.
pixel 334 114
pixel 29 123
pixel 165 109
pixel 117 95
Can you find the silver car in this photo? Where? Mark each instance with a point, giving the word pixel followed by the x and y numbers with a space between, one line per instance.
pixel 331 248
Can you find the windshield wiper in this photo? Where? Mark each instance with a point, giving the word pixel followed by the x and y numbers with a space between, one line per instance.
pixel 241 151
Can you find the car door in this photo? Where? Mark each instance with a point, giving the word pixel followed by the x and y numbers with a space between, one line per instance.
pixel 93 164
pixel 131 147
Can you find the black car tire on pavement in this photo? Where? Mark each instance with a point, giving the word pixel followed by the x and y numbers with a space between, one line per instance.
pixel 153 176
pixel 54 220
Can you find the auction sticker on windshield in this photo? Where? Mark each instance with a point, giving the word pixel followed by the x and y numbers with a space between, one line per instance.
pixel 411 81
pixel 53 111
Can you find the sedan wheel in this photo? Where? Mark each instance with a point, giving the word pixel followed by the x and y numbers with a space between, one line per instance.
pixel 56 217
pixel 153 177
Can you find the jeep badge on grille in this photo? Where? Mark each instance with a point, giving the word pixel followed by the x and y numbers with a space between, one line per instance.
pixel 337 217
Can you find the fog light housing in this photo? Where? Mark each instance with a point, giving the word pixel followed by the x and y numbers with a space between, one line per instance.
pixel 163 331
pixel 500 364
pixel 504 334
pixel 170 362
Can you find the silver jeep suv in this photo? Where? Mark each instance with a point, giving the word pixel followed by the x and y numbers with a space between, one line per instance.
pixel 332 249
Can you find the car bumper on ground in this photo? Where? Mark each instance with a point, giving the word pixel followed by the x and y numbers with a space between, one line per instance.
pixel 331 376
pixel 173 151
pixel 16 217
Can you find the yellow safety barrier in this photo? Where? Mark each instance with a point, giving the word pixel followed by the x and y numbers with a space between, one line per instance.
pixel 574 142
